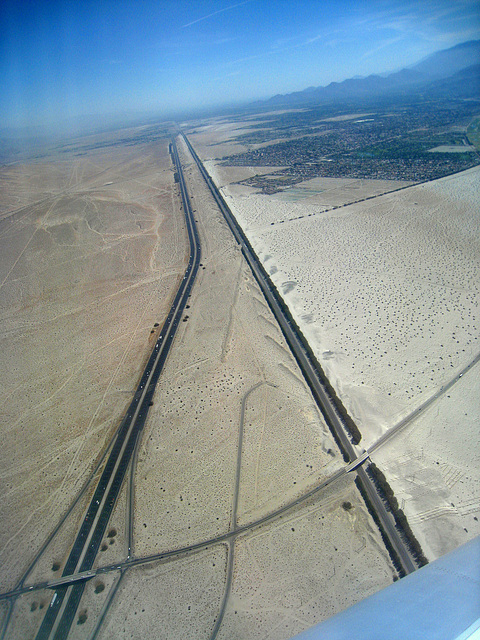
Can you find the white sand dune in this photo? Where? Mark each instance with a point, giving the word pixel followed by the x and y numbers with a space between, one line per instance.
pixel 386 291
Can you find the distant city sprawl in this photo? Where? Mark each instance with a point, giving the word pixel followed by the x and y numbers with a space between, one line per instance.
pixel 413 143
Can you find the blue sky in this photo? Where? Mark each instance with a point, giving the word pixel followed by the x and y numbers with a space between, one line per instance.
pixel 61 59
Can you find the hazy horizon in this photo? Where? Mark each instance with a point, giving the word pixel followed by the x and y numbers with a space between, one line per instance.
pixel 63 62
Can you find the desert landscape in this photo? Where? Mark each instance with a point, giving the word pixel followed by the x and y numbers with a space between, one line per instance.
pixel 234 378
pixel 91 257
pixel 239 320
pixel 382 278
pixel 236 496
pixel 213 504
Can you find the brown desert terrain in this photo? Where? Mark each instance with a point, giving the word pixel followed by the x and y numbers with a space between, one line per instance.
pixel 222 542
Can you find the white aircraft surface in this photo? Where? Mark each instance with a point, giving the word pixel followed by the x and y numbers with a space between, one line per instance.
pixel 440 601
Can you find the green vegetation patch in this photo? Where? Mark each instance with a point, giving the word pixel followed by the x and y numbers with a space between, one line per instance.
pixel 415 146
pixel 473 133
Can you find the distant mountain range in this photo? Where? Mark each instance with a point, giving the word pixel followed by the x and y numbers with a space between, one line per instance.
pixel 450 73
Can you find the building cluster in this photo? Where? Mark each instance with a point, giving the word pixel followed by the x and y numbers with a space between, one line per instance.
pixel 390 145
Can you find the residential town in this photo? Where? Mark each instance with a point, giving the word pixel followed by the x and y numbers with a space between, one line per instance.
pixel 404 143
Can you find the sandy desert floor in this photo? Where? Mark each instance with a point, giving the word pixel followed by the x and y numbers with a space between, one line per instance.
pixel 231 382
pixel 90 267
pixel 433 466
pixel 383 280
pixel 387 293
pixel 91 254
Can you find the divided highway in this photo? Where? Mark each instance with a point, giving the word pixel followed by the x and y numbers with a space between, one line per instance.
pixel 68 592
pixel 323 399
pixel 63 606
